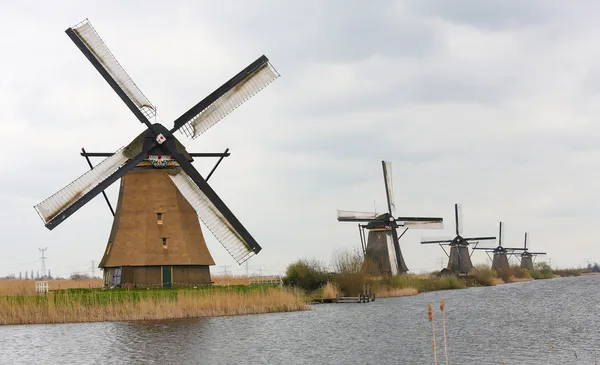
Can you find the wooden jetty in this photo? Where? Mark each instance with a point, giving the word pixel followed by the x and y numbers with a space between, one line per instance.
pixel 366 297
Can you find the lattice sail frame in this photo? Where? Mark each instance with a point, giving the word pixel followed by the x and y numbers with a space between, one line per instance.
pixel 214 220
pixel 389 184
pixel 246 89
pixel 67 196
pixel 86 32
pixel 347 214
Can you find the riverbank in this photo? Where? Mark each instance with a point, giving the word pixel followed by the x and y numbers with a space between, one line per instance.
pixel 97 305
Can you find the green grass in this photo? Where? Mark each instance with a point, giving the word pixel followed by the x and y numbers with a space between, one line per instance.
pixel 93 297
pixel 568 272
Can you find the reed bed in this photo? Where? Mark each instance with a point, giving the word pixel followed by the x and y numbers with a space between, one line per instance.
pixel 80 305
pixel 27 287
pixel 420 283
pixel 329 291
pixel 387 292
pixel 230 280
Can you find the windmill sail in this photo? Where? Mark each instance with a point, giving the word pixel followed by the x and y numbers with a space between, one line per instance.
pixel 389 186
pixel 436 240
pixel 350 216
pixel 458 218
pixel 489 238
pixel 226 98
pixel 67 196
pixel 91 45
pixel 421 222
pixel 240 248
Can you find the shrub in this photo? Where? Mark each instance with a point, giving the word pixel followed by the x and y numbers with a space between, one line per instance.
pixel 505 274
pixel 351 272
pixel 79 277
pixel 541 270
pixel 519 272
pixel 306 274
pixel 483 275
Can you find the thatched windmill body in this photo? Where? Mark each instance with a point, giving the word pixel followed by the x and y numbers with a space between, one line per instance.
pixel 156 239
pixel 382 244
pixel 501 254
pixel 459 258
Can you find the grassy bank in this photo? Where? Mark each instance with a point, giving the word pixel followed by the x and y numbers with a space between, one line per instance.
pixel 93 305
pixel 352 275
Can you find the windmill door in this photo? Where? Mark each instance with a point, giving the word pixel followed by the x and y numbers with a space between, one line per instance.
pixel 167 276
pixel 116 276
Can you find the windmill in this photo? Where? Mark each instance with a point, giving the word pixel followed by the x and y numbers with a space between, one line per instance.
pixel 527 257
pixel 156 239
pixel 382 246
pixel 459 259
pixel 501 253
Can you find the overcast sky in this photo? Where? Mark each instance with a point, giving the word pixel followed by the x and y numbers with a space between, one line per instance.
pixel 487 104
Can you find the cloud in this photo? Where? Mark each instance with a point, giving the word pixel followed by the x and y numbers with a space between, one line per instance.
pixel 490 106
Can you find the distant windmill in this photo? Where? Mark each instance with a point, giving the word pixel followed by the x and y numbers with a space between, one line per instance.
pixel 382 246
pixel 501 253
pixel 459 259
pixel 527 257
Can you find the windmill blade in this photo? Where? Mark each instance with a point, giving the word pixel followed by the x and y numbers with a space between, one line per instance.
pixel 480 239
pixel 458 218
pixel 226 98
pixel 389 186
pixel 213 212
pixel 537 253
pixel 239 247
pixel 525 243
pixel 399 259
pixel 421 222
pixel 500 232
pixel 91 45
pixel 436 240
pixel 69 199
pixel 350 216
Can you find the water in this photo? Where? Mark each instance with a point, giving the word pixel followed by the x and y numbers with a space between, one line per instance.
pixel 541 322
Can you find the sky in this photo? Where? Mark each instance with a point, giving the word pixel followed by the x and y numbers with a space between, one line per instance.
pixel 486 104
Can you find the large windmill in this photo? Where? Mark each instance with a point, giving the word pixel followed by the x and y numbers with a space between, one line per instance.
pixel 459 259
pixel 156 239
pixel 383 247
pixel 501 253
pixel 527 257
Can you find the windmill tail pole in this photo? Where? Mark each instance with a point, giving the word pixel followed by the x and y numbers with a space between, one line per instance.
pixel 430 318
pixel 442 308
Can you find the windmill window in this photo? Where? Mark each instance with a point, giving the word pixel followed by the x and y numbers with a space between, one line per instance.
pixel 164 240
pixel 159 218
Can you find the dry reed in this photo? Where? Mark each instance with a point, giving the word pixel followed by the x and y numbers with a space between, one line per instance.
pixel 27 287
pixel 443 310
pixel 182 304
pixel 430 318
pixel 224 280
pixel 388 292
pixel 329 291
